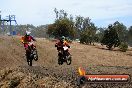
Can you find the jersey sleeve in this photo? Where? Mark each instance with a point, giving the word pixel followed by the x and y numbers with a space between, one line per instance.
pixel 33 38
pixel 22 39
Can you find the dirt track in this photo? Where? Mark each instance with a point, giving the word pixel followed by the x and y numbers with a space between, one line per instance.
pixel 95 59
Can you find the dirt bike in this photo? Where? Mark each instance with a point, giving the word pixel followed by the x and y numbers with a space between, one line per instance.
pixel 64 56
pixel 31 53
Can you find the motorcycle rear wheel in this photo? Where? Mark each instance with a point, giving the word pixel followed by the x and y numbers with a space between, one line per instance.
pixel 30 59
pixel 60 61
pixel 30 62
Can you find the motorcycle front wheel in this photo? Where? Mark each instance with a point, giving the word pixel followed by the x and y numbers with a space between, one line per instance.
pixel 69 60
pixel 35 55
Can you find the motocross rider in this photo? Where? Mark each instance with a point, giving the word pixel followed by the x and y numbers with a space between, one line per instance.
pixel 26 39
pixel 62 42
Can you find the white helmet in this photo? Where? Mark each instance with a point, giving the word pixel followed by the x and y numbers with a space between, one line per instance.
pixel 28 32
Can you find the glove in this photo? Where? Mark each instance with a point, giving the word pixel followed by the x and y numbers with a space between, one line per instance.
pixel 22 41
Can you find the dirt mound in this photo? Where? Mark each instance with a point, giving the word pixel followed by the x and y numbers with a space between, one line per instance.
pixel 11 78
pixel 49 77
pixel 47 73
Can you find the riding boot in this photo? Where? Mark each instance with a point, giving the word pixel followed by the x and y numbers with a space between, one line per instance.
pixel 27 56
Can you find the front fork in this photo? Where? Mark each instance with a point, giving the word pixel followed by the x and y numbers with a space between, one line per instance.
pixel 66 53
pixel 28 52
pixel 63 54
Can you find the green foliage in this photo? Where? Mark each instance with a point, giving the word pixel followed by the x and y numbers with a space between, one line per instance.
pixel 110 38
pixel 63 26
pixel 121 30
pixel 68 40
pixel 115 34
pixel 77 28
pixel 88 32
pixel 85 38
pixel 79 22
pixel 123 46
pixel 129 36
pixel 99 34
pixel 21 29
pixel 40 31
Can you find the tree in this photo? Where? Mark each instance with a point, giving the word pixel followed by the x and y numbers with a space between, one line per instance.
pixel 129 36
pixel 51 30
pixel 88 32
pixel 86 37
pixel 110 37
pixel 78 25
pixel 99 34
pixel 121 30
pixel 63 25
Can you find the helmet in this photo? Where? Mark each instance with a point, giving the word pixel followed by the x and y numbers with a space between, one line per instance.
pixel 28 32
pixel 62 38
